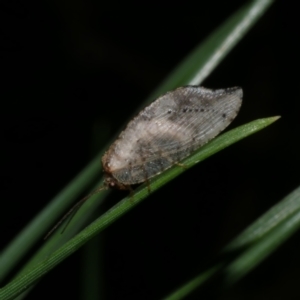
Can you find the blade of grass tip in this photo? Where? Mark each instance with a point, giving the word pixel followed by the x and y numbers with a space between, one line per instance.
pixel 214 146
pixel 193 70
pixel 21 283
pixel 208 55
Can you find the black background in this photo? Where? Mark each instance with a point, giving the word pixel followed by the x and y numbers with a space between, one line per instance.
pixel 74 71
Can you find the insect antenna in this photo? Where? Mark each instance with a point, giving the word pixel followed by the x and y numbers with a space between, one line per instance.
pixel 73 211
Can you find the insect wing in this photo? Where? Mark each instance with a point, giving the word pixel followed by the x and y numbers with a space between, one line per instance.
pixel 171 128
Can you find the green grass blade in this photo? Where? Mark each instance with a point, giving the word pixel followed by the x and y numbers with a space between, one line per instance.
pixel 255 254
pixel 21 283
pixel 35 230
pixel 263 237
pixel 193 284
pixel 273 217
pixel 208 55
pixel 57 239
pixel 256 243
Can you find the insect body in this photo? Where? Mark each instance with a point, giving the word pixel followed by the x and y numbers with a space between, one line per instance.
pixel 164 133
pixel 167 131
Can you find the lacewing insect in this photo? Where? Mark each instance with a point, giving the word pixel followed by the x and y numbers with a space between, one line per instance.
pixel 164 133
pixel 167 131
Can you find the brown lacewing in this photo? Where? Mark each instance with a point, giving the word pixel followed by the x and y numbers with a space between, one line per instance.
pixel 166 132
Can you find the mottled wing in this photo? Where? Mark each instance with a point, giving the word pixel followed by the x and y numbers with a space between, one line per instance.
pixel 170 129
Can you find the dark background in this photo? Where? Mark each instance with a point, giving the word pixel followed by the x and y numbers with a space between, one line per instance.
pixel 72 74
